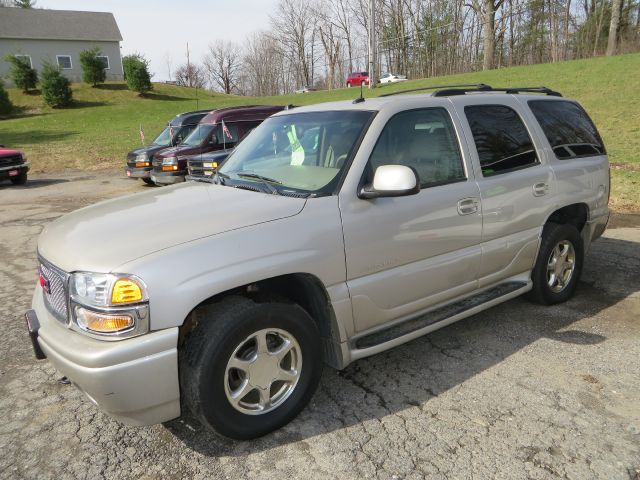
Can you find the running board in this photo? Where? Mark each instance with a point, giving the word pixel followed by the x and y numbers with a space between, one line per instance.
pixel 452 312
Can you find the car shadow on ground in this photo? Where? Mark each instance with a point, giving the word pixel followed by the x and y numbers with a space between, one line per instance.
pixel 34 183
pixel 413 374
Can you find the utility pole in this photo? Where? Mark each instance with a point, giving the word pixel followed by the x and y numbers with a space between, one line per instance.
pixel 373 61
pixel 190 75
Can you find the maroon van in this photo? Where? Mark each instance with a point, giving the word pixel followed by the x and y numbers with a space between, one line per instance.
pixel 219 130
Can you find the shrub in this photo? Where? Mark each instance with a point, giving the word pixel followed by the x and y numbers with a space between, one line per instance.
pixel 136 73
pixel 56 88
pixel 5 104
pixel 21 73
pixel 92 67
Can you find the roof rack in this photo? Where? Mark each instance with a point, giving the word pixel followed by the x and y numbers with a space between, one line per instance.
pixel 453 90
pixel 475 86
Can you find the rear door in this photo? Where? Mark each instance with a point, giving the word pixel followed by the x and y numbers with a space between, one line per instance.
pixel 514 180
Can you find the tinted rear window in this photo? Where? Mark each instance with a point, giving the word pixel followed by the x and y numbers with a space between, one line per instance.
pixel 568 128
pixel 501 139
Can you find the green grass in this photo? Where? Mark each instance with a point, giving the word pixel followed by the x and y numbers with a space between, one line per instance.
pixel 104 124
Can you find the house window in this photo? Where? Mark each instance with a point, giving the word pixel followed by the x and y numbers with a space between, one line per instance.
pixel 26 57
pixel 105 61
pixel 64 62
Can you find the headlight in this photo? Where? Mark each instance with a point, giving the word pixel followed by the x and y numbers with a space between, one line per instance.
pixel 169 161
pixel 105 304
pixel 141 157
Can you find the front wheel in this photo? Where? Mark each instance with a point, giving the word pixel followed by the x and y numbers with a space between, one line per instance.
pixel 249 368
pixel 148 181
pixel 559 265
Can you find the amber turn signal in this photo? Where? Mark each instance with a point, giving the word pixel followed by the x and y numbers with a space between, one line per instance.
pixel 142 164
pixel 126 290
pixel 169 168
pixel 102 322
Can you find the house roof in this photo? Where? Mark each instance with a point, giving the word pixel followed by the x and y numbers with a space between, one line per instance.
pixel 42 24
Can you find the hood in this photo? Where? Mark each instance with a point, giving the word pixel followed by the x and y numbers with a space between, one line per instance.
pixel 8 151
pixel 148 149
pixel 103 236
pixel 179 150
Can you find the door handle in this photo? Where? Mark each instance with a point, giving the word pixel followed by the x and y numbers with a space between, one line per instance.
pixel 540 189
pixel 467 206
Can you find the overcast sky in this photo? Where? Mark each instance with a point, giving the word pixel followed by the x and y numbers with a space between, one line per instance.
pixel 156 28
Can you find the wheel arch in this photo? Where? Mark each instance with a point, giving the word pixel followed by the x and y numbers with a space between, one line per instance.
pixel 575 214
pixel 303 289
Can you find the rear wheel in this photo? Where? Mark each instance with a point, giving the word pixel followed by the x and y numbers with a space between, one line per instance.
pixel 249 368
pixel 20 179
pixel 558 266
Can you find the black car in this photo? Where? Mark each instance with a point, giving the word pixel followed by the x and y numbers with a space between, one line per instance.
pixel 139 161
pixel 206 164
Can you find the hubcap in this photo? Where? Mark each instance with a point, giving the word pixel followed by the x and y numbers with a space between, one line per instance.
pixel 561 265
pixel 263 371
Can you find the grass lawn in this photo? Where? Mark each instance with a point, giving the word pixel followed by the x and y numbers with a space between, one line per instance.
pixel 103 125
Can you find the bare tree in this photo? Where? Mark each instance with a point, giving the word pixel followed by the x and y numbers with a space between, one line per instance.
pixel 222 65
pixel 487 10
pixel 190 75
pixel 614 27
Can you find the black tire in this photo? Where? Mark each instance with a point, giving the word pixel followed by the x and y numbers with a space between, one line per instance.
pixel 148 181
pixel 20 179
pixel 203 359
pixel 552 235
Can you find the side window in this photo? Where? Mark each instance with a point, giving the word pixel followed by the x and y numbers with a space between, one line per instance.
pixel 568 128
pixel 501 139
pixel 226 134
pixel 425 140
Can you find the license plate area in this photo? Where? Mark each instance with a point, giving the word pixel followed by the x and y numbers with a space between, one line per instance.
pixel 13 173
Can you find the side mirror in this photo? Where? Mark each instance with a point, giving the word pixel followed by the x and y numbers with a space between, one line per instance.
pixel 392 181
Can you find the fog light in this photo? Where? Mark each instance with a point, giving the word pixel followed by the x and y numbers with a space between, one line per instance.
pixel 103 322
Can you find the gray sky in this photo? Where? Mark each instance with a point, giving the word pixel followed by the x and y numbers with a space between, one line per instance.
pixel 157 27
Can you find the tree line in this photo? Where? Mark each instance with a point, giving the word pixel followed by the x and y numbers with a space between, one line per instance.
pixel 317 43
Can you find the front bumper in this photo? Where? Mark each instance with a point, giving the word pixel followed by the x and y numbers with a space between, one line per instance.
pixel 134 380
pixel 168 178
pixel 137 172
pixel 9 171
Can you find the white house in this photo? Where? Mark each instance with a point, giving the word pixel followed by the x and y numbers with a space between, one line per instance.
pixel 58 37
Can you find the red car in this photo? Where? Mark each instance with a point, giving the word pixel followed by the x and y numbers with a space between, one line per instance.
pixel 13 165
pixel 355 79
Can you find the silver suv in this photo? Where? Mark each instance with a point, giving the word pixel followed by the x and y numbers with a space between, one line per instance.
pixel 333 232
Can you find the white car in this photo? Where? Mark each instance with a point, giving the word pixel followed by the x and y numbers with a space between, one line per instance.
pixel 391 78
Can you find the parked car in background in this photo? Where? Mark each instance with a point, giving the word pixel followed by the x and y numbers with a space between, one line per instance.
pixel 170 165
pixel 306 90
pixel 355 79
pixel 206 164
pixel 139 161
pixel 13 166
pixel 392 78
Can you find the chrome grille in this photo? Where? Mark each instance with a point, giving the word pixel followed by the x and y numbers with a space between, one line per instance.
pixel 11 160
pixel 56 298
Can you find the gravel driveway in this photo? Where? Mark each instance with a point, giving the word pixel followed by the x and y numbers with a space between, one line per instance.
pixel 518 391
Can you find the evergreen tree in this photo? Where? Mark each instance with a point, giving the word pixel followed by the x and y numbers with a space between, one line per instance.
pixel 93 71
pixel 24 3
pixel 5 104
pixel 136 73
pixel 21 73
pixel 56 88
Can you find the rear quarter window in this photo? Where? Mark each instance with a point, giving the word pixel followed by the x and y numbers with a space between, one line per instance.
pixel 568 128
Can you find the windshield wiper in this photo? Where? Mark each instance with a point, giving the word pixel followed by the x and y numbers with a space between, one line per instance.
pixel 266 181
pixel 219 177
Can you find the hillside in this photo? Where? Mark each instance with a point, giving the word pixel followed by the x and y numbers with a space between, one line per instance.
pixel 103 125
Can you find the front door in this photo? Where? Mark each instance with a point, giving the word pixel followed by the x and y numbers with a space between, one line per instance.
pixel 406 254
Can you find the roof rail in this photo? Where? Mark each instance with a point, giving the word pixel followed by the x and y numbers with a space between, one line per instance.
pixel 452 90
pixel 449 92
pixel 474 86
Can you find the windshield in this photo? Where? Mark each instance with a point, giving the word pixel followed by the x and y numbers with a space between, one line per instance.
pixel 163 139
pixel 303 152
pixel 196 138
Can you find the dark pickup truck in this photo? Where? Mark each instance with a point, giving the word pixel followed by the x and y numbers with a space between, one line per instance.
pixel 178 128
pixel 13 166
pixel 220 130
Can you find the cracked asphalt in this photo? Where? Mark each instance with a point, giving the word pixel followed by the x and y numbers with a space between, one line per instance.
pixel 519 391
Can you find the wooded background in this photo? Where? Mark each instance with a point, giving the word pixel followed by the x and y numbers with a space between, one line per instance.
pixel 317 43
